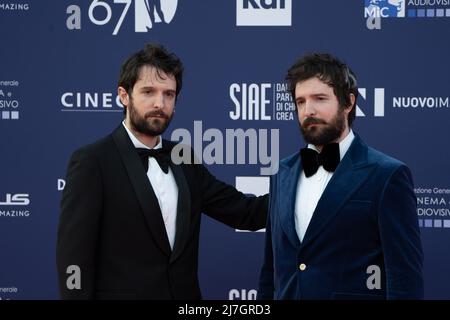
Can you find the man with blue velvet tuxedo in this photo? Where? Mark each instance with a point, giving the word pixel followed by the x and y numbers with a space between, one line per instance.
pixel 130 217
pixel 342 216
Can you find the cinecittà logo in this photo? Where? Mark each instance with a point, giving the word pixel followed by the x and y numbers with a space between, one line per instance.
pixel 147 14
pixel 73 101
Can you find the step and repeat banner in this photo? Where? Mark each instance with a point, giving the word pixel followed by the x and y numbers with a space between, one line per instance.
pixel 59 66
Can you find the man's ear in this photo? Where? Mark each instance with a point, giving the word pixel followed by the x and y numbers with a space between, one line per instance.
pixel 352 103
pixel 123 96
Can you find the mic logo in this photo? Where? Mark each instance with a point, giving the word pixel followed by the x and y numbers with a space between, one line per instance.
pixel 384 8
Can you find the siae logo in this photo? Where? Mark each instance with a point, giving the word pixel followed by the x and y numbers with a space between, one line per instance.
pixel 18 199
pixel 263 12
pixel 146 13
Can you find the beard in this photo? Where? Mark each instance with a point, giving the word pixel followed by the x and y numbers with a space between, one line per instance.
pixel 323 133
pixel 150 127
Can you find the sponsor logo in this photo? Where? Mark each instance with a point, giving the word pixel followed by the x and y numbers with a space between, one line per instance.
pixel 384 8
pixel 14 205
pixel 19 199
pixel 6 292
pixel 9 103
pixel 147 14
pixel 433 207
pixel 264 12
pixel 261 101
pixel 14 6
pixel 376 10
pixel 90 102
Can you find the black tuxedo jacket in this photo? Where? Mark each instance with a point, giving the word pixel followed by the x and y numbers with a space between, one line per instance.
pixel 112 229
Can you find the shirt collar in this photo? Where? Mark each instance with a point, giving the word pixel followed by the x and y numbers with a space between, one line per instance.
pixel 137 143
pixel 343 145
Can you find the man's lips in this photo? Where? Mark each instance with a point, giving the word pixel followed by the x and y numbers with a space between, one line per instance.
pixel 313 124
pixel 161 116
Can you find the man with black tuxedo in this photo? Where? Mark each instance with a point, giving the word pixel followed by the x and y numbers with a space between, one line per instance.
pixel 130 217
pixel 342 216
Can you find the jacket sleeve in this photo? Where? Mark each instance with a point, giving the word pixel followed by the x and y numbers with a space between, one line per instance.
pixel 224 203
pixel 266 287
pixel 81 206
pixel 400 237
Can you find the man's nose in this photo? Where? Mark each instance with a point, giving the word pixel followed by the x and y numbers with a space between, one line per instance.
pixel 159 101
pixel 310 108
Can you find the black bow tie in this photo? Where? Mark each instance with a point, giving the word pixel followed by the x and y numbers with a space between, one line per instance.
pixel 162 156
pixel 329 158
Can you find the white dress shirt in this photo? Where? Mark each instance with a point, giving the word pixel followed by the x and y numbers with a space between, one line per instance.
pixel 164 186
pixel 309 190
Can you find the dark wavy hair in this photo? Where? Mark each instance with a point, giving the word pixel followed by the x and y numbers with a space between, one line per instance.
pixel 329 70
pixel 154 55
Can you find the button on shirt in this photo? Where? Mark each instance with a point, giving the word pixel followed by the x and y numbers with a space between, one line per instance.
pixel 309 190
pixel 164 186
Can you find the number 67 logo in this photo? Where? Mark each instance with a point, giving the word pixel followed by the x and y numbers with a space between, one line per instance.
pixel 147 13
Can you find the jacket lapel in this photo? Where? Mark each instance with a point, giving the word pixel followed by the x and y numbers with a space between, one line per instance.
pixel 142 187
pixel 349 175
pixel 183 208
pixel 287 189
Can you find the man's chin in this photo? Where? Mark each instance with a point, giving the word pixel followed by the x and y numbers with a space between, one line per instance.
pixel 312 132
pixel 318 139
pixel 151 130
pixel 313 136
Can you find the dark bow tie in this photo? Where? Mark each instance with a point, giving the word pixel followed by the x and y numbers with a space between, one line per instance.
pixel 162 156
pixel 329 158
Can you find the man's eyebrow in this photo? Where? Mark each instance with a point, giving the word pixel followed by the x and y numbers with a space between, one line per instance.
pixel 320 94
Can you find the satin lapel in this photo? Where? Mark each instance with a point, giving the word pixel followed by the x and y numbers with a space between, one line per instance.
pixel 349 175
pixel 287 189
pixel 183 211
pixel 142 188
